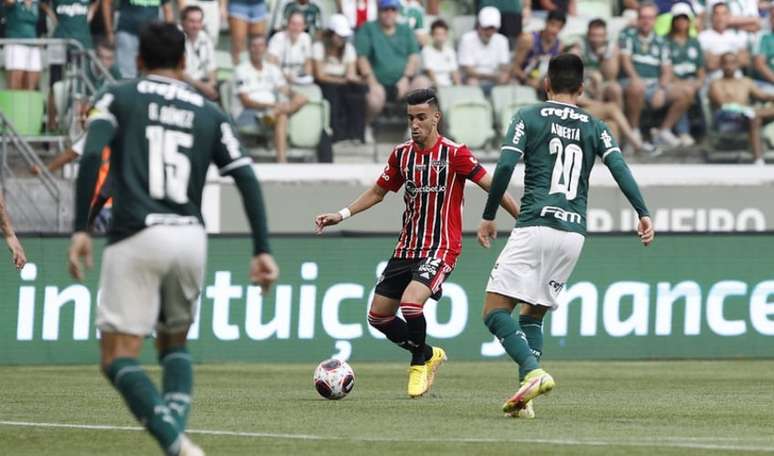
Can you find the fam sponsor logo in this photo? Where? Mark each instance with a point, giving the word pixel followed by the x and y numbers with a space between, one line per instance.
pixel 560 214
pixel 564 113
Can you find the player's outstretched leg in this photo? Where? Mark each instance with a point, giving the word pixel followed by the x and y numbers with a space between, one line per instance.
pixel 417 332
pixel 139 393
pixel 498 319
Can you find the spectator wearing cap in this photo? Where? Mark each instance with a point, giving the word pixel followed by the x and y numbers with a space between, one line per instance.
pixel 687 64
pixel 22 62
pixel 439 60
pixel 291 50
pixel 646 77
pixel 335 72
pixel 483 53
pixel 514 13
pixel 763 56
pixel 721 39
pixel 200 66
pixel 534 50
pixel 358 12
pixel 388 57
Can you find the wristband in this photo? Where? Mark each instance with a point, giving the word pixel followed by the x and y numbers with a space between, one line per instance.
pixel 345 213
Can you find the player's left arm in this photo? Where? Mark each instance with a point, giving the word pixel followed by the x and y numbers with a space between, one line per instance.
pixel 102 126
pixel 613 159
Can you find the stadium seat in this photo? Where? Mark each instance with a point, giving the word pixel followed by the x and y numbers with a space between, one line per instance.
pixel 449 96
pixel 461 25
pixel 506 100
pixel 595 9
pixel 306 126
pixel 470 122
pixel 24 109
pixel 225 69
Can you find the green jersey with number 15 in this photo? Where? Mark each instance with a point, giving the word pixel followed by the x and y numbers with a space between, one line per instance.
pixel 558 143
pixel 166 136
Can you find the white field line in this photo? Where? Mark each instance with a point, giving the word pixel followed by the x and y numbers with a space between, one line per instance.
pixel 662 442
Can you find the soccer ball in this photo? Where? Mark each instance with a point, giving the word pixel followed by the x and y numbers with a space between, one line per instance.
pixel 334 379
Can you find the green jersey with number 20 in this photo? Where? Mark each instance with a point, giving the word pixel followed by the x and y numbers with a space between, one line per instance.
pixel 166 136
pixel 558 143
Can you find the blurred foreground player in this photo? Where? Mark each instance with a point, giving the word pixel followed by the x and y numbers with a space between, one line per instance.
pixel 559 143
pixel 163 135
pixel 434 171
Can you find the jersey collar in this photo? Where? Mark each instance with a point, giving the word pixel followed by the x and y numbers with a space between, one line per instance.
pixel 562 103
pixel 429 149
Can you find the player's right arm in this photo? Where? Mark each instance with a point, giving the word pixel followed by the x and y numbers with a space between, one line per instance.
pixel 390 180
pixel 511 151
pixel 18 256
pixel 611 155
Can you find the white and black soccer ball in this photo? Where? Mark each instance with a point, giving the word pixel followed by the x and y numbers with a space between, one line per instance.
pixel 334 379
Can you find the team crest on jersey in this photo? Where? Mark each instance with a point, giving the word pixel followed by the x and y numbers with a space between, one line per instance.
pixel 439 165
pixel 606 139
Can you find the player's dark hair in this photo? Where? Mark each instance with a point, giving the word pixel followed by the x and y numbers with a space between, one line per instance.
pixel 162 45
pixel 439 23
pixel 596 23
pixel 422 96
pixel 565 73
pixel 190 9
pixel 557 16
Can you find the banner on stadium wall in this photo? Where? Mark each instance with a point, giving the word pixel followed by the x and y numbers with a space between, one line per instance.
pixel 686 296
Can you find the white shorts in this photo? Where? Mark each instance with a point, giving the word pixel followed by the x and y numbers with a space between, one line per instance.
pixel 535 264
pixel 152 280
pixel 21 57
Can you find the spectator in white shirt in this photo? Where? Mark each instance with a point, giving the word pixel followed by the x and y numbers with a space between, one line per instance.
pixel 483 53
pixel 335 72
pixel 291 50
pixel 721 39
pixel 259 85
pixel 743 15
pixel 200 63
pixel 439 61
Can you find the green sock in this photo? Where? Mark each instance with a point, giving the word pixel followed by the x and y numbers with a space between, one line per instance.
pixel 533 330
pixel 177 383
pixel 512 339
pixel 145 402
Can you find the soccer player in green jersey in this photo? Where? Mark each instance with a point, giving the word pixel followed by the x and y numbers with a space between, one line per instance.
pixel 559 144
pixel 163 135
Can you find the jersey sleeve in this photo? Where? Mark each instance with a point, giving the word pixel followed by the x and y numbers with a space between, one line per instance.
pixel 606 143
pixel 391 178
pixel 466 164
pixel 515 139
pixel 227 151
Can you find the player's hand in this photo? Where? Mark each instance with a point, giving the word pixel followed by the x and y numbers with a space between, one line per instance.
pixel 487 232
pixel 18 256
pixel 263 271
pixel 645 231
pixel 80 249
pixel 323 220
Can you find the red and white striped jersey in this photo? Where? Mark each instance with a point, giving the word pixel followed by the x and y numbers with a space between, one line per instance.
pixel 435 183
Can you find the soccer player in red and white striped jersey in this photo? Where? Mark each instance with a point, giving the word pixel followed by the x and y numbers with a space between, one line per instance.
pixel 433 170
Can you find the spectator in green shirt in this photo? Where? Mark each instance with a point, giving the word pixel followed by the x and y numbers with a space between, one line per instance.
pixel 312 15
pixel 388 58
pixel 646 77
pixel 132 16
pixel 22 62
pixel 763 57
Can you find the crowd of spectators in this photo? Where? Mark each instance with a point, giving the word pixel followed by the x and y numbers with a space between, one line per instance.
pixel 647 80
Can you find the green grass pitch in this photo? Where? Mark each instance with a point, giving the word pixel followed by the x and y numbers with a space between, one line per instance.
pixel 675 407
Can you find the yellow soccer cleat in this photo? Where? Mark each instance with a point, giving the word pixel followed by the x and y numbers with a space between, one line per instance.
pixel 528 412
pixel 536 382
pixel 417 384
pixel 439 356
